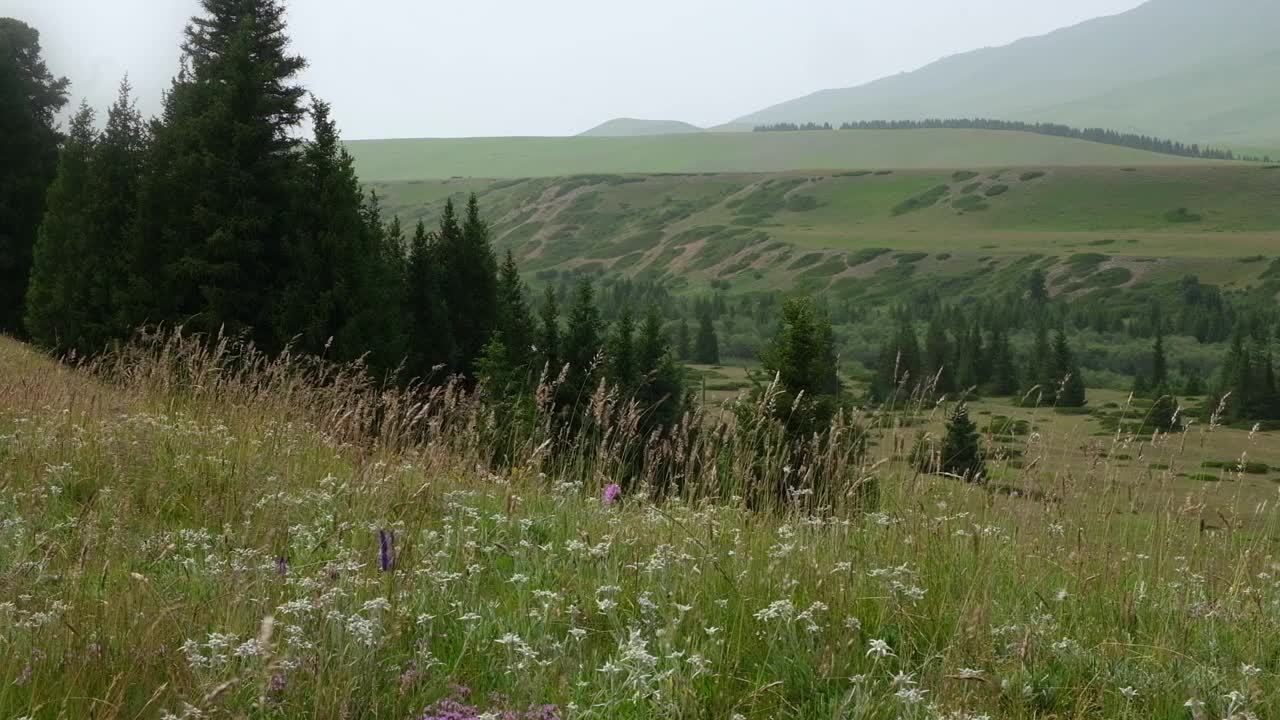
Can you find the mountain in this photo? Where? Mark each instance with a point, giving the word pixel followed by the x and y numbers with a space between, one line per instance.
pixel 631 127
pixel 1192 70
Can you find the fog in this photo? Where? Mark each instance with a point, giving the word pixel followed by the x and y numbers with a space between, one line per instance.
pixel 415 68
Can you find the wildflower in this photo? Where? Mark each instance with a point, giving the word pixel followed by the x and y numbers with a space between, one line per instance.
pixel 879 648
pixel 910 695
pixel 386 550
pixel 1250 670
pixel 612 493
pixel 1129 693
pixel 282 565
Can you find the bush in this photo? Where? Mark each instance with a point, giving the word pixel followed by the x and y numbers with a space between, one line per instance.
pixel 1033 175
pixel 997 190
pixel 1250 468
pixel 921 201
pixel 1182 215
pixel 970 203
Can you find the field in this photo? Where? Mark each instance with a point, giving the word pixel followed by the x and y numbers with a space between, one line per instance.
pixel 720 152
pixel 861 233
pixel 184 540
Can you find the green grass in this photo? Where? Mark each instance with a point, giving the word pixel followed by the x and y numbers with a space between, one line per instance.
pixel 401 160
pixel 185 540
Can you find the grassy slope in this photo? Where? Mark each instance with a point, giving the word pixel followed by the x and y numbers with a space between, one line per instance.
pixel 400 160
pixel 1183 69
pixel 818 229
pixel 142 533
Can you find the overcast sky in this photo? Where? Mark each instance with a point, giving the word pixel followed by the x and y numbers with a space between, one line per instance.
pixel 425 68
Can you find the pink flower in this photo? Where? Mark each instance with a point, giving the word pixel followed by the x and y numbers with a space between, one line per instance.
pixel 612 493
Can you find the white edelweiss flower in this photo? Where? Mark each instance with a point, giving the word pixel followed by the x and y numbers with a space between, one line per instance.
pixel 1129 692
pixel 879 648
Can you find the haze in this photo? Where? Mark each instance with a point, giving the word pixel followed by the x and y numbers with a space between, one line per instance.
pixel 406 68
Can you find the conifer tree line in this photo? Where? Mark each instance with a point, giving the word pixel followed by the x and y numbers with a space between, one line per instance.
pixel 1098 135
pixel 216 217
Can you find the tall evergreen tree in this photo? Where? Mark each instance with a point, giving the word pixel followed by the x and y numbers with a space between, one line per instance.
pixel 683 340
pixel 514 321
pixel 333 295
pixel 30 99
pixel 1065 379
pixel 706 348
pixel 938 357
pixel 78 273
pixel 1004 368
pixel 549 333
pixel 653 344
pixel 57 298
pixel 430 337
pixel 469 281
pixel 582 341
pixel 622 366
pixel 899 366
pixel 1159 363
pixel 118 166
pixel 215 202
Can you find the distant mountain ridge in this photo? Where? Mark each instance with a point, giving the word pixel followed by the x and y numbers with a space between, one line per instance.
pixel 1201 71
pixel 633 127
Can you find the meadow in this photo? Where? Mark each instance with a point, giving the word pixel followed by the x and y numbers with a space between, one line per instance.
pixel 395 160
pixel 195 531
pixel 861 232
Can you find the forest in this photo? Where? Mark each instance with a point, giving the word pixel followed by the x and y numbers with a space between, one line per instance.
pixel 1098 135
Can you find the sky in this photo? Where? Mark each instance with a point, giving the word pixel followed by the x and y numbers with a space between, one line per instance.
pixel 425 68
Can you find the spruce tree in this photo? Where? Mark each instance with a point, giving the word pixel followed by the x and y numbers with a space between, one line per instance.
pixel 802 357
pixel 30 99
pixel 1159 364
pixel 57 298
pixel 549 333
pixel 469 281
pixel 515 322
pixel 1004 368
pixel 683 340
pixel 898 367
pixel 961 453
pixel 1067 382
pixel 215 203
pixel 938 358
pixel 78 273
pixel 582 341
pixel 653 344
pixel 622 366
pixel 706 348
pixel 331 298
pixel 118 166
pixel 430 337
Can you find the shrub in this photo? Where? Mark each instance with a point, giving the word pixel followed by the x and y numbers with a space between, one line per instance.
pixel 926 199
pixel 970 203
pixel 1033 175
pixel 997 190
pixel 1182 215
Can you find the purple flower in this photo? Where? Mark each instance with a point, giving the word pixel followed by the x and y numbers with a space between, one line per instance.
pixel 282 565
pixel 612 493
pixel 386 550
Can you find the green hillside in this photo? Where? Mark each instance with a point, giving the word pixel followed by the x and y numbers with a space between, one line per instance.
pixel 1190 70
pixel 870 232
pixel 399 160
pixel 629 127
